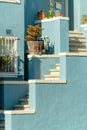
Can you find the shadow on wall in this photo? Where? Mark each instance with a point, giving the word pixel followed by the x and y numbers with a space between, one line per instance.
pixel 34 68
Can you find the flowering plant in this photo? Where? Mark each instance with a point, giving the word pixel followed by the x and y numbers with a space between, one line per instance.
pixel 33 32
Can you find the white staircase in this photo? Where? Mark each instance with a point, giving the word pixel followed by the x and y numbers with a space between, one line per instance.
pixel 54 74
pixel 23 104
pixel 77 42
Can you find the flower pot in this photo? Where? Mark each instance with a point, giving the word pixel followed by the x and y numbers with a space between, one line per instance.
pixel 57 12
pixel 41 15
pixel 84 19
pixel 34 47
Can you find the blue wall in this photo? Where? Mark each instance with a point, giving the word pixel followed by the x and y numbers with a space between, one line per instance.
pixel 12 17
pixel 79 10
pixel 58 106
pixel 11 92
pixel 32 7
pixel 39 66
pixel 56 29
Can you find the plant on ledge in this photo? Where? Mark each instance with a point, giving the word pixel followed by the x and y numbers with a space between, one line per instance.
pixel 4 61
pixel 4 57
pixel 33 34
pixel 41 14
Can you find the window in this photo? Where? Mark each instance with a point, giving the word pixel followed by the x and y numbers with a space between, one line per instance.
pixel 13 1
pixel 8 55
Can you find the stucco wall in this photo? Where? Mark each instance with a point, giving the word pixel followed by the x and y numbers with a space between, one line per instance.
pixel 32 7
pixel 79 10
pixel 12 18
pixel 11 92
pixel 58 106
pixel 39 66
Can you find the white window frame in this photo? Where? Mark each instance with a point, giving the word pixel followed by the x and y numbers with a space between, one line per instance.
pixel 13 1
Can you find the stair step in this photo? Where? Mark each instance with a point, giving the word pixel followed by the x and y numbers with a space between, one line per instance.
pixel 51 77
pixel 75 49
pixel 24 101
pixel 21 107
pixel 80 44
pixel 77 42
pixel 76 36
pixel 55 72
pixel 27 95
pixel 73 39
pixel 74 32
pixel 57 66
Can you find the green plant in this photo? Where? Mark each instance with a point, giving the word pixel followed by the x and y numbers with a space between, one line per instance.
pixel 45 44
pixel 4 61
pixel 4 58
pixel 33 32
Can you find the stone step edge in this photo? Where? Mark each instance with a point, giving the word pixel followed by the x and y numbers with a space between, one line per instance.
pixel 21 106
pixel 47 81
pixel 54 70
pixel 15 112
pixel 24 99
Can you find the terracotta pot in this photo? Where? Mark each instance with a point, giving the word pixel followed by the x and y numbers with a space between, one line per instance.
pixel 34 47
pixel 41 15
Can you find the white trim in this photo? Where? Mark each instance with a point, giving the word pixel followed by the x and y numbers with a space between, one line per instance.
pixel 52 19
pixel 13 1
pixel 43 56
pixel 14 112
pixel 47 81
pixel 73 54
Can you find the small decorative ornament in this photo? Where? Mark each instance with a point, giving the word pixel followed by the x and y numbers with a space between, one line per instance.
pixel 57 12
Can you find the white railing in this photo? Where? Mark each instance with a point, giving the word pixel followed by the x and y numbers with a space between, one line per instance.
pixel 8 49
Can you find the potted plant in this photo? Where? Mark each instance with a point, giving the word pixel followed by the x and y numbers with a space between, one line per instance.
pixel 4 61
pixel 41 14
pixel 84 19
pixel 57 12
pixel 4 58
pixel 34 45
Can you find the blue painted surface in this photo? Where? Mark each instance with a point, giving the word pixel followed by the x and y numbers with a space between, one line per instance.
pixel 11 93
pixel 62 61
pixel 59 106
pixel 1 96
pixel 12 17
pixel 8 122
pixel 31 9
pixel 37 67
pixel 57 31
pixel 84 31
pixel 79 12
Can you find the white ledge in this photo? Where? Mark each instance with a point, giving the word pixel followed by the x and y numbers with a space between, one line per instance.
pixel 44 56
pixel 52 19
pixel 58 55
pixel 84 26
pixel 47 81
pixel 13 82
pixel 73 54
pixel 12 1
pixel 16 112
